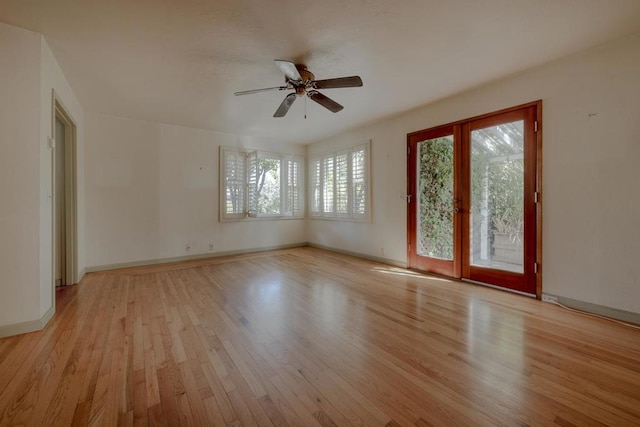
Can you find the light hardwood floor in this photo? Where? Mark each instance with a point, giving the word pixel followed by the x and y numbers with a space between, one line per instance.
pixel 308 337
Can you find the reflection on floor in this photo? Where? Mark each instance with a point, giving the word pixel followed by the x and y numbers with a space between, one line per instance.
pixel 309 337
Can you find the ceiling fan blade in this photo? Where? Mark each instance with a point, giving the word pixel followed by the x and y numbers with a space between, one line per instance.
pixel 353 81
pixel 289 69
pixel 327 103
pixel 287 102
pixel 267 89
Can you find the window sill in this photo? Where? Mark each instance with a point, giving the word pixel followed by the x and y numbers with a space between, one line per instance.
pixel 366 220
pixel 261 218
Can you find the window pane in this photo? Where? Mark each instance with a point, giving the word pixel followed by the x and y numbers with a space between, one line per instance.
pixel 234 183
pixel 328 183
pixel 342 184
pixel 497 197
pixel 316 187
pixel 252 183
pixel 359 182
pixel 268 186
pixel 294 188
pixel 435 198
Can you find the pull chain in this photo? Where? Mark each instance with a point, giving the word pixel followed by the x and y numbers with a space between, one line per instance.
pixel 305 107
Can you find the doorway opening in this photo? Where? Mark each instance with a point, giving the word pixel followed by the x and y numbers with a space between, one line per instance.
pixel 64 188
pixel 474 191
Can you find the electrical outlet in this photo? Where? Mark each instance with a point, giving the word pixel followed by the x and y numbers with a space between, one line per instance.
pixel 187 247
pixel 549 298
pixel 210 246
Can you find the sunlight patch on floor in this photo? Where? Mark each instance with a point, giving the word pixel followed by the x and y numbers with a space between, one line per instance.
pixel 407 273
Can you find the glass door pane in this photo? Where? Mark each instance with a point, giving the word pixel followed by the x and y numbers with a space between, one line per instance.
pixel 435 209
pixel 496 232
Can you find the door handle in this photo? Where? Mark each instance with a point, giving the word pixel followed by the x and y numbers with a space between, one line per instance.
pixel 456 209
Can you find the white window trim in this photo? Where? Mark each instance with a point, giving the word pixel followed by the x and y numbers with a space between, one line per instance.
pixel 284 191
pixel 334 215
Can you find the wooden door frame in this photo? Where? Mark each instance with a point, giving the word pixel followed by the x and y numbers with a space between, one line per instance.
pixel 60 112
pixel 463 126
pixel 437 266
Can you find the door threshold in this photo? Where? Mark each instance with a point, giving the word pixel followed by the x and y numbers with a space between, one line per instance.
pixel 500 288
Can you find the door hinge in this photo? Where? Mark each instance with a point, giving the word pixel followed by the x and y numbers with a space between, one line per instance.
pixel 535 268
pixel 408 198
pixel 535 126
pixel 408 150
pixel 536 197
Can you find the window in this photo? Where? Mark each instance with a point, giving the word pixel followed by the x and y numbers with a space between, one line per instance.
pixel 340 184
pixel 258 185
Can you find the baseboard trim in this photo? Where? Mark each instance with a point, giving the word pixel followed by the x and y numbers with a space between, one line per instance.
pixel 81 274
pixel 156 261
pixel 26 327
pixel 601 310
pixel 614 313
pixel 381 260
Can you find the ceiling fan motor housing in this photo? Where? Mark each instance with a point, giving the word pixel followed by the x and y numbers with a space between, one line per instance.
pixel 307 77
pixel 304 73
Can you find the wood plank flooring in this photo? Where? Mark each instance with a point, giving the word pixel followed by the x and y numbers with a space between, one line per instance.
pixel 305 337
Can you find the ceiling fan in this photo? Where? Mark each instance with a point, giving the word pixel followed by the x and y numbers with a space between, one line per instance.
pixel 301 80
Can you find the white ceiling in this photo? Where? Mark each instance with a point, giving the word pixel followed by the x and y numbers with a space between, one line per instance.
pixel 179 61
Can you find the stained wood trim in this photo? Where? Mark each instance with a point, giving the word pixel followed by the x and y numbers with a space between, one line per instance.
pixel 526 281
pixel 531 113
pixel 433 265
pixel 465 173
pixel 458 195
pixel 538 119
pixel 481 116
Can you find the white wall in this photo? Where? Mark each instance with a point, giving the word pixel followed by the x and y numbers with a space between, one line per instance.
pixel 51 78
pixel 19 179
pixel 146 189
pixel 28 73
pixel 151 188
pixel 591 149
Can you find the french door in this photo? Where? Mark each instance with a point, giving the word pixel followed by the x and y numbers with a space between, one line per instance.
pixel 474 188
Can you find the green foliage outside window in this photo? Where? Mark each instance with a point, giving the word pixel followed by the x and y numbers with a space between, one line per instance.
pixel 498 185
pixel 506 202
pixel 504 182
pixel 436 198
pixel 268 191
